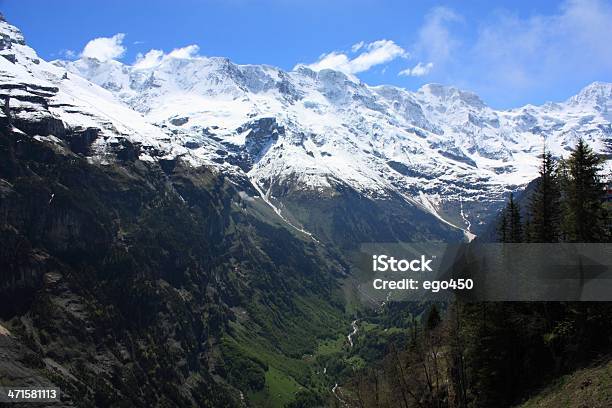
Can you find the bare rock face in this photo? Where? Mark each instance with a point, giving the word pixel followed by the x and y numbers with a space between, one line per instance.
pixel 179 121
pixel 81 140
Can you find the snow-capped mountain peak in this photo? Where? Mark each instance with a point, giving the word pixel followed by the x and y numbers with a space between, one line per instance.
pixel 596 95
pixel 440 141
pixel 450 95
pixel 62 104
pixel 439 148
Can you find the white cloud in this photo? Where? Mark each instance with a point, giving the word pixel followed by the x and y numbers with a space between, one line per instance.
pixel 356 47
pixel 374 53
pixel 418 70
pixel 148 60
pixel 333 60
pixel 155 57
pixel 189 51
pixel 105 48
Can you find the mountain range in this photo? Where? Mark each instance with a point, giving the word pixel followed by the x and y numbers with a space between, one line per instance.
pixel 440 150
pixel 177 232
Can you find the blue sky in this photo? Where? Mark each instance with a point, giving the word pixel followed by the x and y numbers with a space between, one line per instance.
pixel 510 53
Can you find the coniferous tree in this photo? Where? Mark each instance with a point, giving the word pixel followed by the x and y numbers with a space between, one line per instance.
pixel 585 215
pixel 545 204
pixel 502 229
pixel 433 318
pixel 510 228
pixel 515 228
pixel 528 230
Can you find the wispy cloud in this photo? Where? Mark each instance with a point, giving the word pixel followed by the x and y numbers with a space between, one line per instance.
pixel 189 51
pixel 523 52
pixel 68 54
pixel 418 70
pixel 105 48
pixel 155 57
pixel 372 54
pixel 509 57
pixel 357 46
pixel 110 48
pixel 436 41
pixel 148 60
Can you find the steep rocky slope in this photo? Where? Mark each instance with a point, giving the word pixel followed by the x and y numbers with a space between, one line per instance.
pixel 122 282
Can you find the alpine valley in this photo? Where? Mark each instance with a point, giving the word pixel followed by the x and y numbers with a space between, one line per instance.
pixel 174 232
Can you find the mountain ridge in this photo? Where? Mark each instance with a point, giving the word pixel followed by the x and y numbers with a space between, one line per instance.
pixel 441 149
pixel 377 125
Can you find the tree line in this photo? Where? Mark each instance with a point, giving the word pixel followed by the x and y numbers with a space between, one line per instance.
pixel 498 354
pixel 569 203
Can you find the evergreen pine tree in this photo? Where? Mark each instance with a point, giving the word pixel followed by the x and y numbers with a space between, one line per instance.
pixel 585 215
pixel 515 228
pixel 545 206
pixel 528 230
pixel 433 318
pixel 502 229
pixel 510 228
